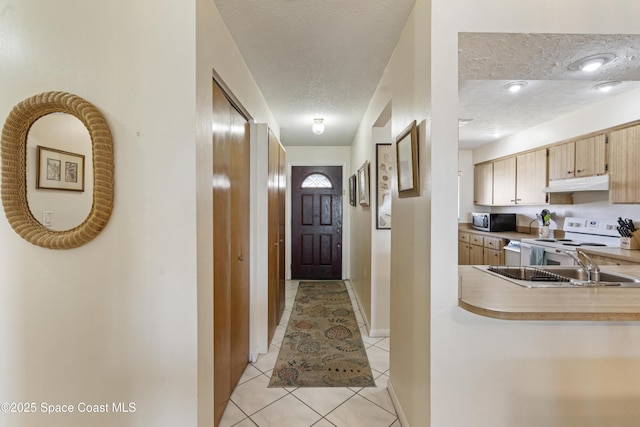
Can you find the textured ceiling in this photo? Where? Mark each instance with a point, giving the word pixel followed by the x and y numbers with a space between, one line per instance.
pixel 488 61
pixel 324 58
pixel 315 58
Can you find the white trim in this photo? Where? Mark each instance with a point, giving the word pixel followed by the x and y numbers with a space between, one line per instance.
pixel 379 333
pixel 259 243
pixel 396 404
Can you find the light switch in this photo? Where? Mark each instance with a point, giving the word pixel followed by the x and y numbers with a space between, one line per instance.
pixel 47 218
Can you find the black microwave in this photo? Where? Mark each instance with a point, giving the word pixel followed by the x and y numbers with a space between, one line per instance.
pixel 493 221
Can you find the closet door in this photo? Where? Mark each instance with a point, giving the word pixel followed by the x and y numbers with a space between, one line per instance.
pixel 230 186
pixel 276 220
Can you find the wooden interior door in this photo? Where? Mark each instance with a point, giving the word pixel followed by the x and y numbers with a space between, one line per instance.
pixel 276 216
pixel 316 223
pixel 231 187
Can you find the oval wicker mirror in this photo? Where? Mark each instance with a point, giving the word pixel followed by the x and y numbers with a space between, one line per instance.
pixel 14 184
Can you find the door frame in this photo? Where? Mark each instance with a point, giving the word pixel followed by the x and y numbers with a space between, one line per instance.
pixel 346 215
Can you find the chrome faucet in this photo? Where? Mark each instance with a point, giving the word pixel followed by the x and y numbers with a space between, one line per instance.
pixel 592 270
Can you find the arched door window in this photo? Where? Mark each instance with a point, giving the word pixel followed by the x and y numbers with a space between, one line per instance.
pixel 317 180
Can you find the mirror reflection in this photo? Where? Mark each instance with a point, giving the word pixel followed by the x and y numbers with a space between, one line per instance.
pixel 59 171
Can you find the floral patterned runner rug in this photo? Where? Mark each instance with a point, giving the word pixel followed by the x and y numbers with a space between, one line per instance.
pixel 322 346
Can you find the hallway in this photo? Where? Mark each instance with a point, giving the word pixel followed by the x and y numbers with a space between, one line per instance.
pixel 254 404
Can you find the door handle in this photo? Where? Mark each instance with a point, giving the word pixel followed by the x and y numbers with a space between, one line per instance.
pixel 240 257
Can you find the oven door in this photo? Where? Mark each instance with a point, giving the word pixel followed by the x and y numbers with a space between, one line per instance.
pixel 557 257
pixel 552 256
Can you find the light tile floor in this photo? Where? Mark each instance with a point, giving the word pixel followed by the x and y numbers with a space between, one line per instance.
pixel 254 404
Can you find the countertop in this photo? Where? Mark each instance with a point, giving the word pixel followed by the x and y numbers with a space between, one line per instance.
pixel 490 296
pixel 509 235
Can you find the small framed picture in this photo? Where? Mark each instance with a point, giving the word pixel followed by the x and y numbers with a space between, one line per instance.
pixel 352 190
pixel 363 184
pixel 407 161
pixel 59 170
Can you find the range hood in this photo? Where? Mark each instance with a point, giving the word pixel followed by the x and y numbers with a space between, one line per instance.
pixel 569 185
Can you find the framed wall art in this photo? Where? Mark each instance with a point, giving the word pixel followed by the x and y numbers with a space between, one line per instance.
pixel 407 161
pixel 352 190
pixel 59 170
pixel 384 171
pixel 363 184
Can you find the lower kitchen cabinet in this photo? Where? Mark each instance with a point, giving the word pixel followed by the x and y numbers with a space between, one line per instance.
pixel 493 257
pixel 475 249
pixel 470 250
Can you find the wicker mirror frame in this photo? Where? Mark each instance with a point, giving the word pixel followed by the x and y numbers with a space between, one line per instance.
pixel 13 151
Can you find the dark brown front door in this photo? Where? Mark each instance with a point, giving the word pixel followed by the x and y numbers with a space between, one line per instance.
pixel 316 222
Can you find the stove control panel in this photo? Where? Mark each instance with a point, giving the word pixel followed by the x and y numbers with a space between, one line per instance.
pixel 600 227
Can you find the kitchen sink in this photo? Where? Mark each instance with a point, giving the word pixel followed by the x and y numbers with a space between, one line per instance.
pixel 558 277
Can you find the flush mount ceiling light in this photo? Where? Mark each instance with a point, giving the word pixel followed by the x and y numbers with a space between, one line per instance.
pixel 606 86
pixel 514 87
pixel 592 62
pixel 464 122
pixel 318 126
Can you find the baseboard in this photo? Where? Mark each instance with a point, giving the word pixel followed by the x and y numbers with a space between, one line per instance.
pixel 378 333
pixel 364 318
pixel 396 404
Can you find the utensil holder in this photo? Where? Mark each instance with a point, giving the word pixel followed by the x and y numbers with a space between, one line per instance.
pixel 630 243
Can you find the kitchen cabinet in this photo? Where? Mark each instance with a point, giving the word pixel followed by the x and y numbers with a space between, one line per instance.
pixel 483 184
pixel 463 248
pixel 493 253
pixel 475 249
pixel 519 180
pixel 531 178
pixel 470 250
pixel 584 157
pixel 624 173
pixel 504 181
pixel 493 257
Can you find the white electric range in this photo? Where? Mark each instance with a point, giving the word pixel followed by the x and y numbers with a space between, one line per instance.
pixel 579 233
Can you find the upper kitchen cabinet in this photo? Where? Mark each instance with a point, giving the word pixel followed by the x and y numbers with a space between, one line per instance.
pixel 624 173
pixel 531 178
pixel 584 157
pixel 483 184
pixel 519 180
pixel 504 182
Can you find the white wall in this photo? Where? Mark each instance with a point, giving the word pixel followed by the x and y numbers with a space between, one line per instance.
pixel 406 83
pixel 465 173
pixel 128 316
pixel 327 156
pixel 114 320
pixel 380 247
pixel 488 372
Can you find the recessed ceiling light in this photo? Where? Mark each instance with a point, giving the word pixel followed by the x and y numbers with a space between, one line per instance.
pixel 514 87
pixel 464 122
pixel 606 86
pixel 592 62
pixel 497 134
